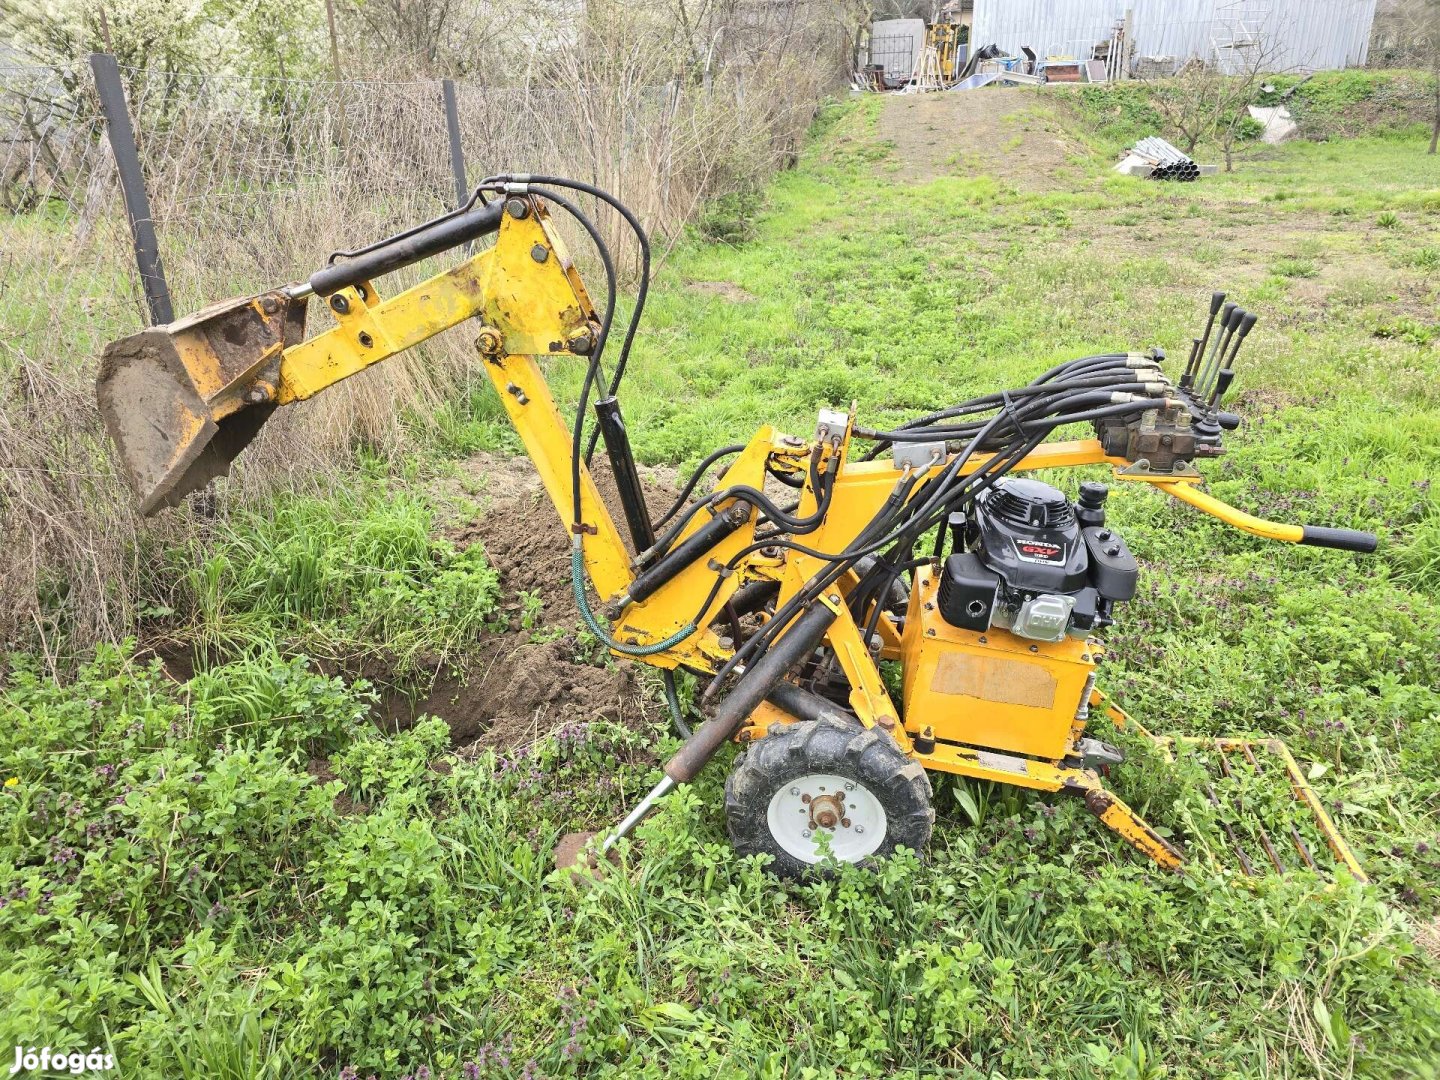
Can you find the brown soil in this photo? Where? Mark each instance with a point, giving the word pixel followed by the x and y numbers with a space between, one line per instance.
pixel 951 133
pixel 516 691
pixel 525 682
pixel 518 683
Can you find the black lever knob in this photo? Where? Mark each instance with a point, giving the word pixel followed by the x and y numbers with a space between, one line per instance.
pixel 1222 384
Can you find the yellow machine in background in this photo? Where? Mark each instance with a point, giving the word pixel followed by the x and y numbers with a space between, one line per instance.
pixel 946 39
pixel 809 564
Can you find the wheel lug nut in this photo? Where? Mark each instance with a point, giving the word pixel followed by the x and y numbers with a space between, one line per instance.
pixel 794 791
pixel 806 834
pixel 849 785
pixel 859 828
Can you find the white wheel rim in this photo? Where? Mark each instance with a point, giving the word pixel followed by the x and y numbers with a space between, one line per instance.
pixel 802 809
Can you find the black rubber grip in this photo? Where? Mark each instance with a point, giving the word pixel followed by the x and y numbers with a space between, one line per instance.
pixel 1344 539
pixel 442 236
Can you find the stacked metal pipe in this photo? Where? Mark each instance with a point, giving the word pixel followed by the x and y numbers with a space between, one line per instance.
pixel 1170 163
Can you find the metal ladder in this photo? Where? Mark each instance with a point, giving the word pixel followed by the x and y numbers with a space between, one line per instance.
pixel 1238 33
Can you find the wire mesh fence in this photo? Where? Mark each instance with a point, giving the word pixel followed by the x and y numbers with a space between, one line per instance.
pixel 252 183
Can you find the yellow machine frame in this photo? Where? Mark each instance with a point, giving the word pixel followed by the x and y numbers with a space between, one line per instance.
pixel 993 706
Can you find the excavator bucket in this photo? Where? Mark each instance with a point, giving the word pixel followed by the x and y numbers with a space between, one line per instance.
pixel 181 401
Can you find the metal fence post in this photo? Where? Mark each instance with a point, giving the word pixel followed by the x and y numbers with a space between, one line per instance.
pixel 457 153
pixel 132 185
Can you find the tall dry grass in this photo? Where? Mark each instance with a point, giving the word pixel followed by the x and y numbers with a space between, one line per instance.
pixel 253 182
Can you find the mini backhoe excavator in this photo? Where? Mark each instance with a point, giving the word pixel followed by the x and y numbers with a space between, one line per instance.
pixel 813 567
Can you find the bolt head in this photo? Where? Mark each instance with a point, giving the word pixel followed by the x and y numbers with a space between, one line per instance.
pixel 806 834
pixel 794 791
pixel 488 341
pixel 540 253
pixel 849 785
pixel 517 208
pixel 859 828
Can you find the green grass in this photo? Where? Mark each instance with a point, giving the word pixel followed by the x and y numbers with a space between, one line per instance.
pixel 179 885
pixel 357 572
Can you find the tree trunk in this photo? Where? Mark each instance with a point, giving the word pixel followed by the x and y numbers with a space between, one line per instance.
pixel 1435 127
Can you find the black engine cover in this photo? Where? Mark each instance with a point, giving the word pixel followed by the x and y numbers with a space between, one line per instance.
pixel 1026 532
pixel 967 592
pixel 1112 568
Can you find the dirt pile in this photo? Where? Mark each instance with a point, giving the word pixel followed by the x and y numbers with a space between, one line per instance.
pixel 533 676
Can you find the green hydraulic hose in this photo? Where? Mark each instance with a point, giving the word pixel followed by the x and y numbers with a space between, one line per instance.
pixel 577 580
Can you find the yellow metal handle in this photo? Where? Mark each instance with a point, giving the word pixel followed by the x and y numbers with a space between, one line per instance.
pixel 1270 530
pixel 1313 535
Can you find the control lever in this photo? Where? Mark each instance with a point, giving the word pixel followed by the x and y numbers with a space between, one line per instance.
pixel 1246 324
pixel 1230 317
pixel 1223 379
pixel 1198 348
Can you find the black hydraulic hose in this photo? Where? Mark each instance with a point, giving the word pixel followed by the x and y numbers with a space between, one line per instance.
pixel 642 293
pixel 593 366
pixel 695 478
pixel 1058 368
pixel 839 564
pixel 758 642
pixel 784 478
pixel 1086 365
pixel 1028 411
pixel 1078 380
pixel 862 546
pixel 888 574
pixel 644 240
pixel 760 501
pixel 1067 411
pixel 1030 398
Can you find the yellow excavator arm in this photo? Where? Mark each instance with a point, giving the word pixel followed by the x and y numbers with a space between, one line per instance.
pixel 181 401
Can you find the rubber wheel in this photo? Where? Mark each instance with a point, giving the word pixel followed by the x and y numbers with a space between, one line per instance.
pixel 849 783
